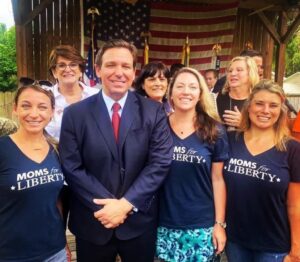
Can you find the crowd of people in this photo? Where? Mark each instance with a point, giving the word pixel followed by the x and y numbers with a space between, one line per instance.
pixel 167 164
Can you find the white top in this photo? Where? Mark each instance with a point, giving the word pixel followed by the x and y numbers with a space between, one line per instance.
pixel 54 126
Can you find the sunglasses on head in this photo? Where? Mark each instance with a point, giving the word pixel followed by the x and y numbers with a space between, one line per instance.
pixel 45 84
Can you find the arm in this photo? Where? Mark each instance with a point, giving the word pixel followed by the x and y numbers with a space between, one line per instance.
pixel 59 205
pixel 219 190
pixel 293 208
pixel 86 186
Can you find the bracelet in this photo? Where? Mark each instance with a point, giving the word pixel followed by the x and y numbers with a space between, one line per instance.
pixel 222 224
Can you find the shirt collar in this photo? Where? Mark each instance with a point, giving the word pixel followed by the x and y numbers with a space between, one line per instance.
pixel 109 101
pixel 57 94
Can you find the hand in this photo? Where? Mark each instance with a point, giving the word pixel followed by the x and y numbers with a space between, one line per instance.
pixel 219 238
pixel 113 213
pixel 69 254
pixel 232 118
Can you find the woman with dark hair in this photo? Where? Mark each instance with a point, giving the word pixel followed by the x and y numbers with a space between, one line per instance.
pixel 192 200
pixel 153 82
pixel 66 67
pixel 263 182
pixel 31 224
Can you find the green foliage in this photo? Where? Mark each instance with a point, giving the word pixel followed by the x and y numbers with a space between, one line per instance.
pixel 293 55
pixel 8 63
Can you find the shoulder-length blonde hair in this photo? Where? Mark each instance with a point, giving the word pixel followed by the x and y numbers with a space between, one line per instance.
pixel 206 116
pixel 252 71
pixel 282 132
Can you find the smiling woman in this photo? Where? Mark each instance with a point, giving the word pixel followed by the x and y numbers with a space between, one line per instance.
pixel 152 82
pixel 66 67
pixel 263 172
pixel 192 200
pixel 31 179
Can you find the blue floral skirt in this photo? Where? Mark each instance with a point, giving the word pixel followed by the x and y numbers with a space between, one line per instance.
pixel 188 245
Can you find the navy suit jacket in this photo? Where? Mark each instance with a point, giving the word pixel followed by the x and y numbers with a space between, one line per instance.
pixel 95 166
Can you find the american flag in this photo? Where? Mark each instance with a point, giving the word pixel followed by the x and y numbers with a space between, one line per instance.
pixel 169 24
pixel 90 76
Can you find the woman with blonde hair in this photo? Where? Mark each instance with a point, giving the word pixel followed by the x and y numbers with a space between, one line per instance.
pixel 192 200
pixel 263 182
pixel 241 77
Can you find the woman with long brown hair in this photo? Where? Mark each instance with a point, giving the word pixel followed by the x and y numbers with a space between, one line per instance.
pixel 192 200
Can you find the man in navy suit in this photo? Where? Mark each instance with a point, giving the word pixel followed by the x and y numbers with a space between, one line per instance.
pixel 114 174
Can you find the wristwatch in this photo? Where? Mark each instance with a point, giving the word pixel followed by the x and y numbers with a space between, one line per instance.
pixel 222 224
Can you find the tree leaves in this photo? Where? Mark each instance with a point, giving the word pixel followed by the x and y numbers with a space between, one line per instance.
pixel 8 61
pixel 293 55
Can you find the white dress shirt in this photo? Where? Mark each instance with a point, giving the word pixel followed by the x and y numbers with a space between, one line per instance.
pixel 109 103
pixel 53 128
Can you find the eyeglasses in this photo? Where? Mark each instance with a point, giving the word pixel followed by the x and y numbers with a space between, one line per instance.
pixel 62 67
pixel 44 84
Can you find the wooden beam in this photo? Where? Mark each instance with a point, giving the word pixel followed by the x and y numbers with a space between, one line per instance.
pixel 21 51
pixel 280 55
pixel 291 30
pixel 268 49
pixel 36 11
pixel 269 27
pixel 19 10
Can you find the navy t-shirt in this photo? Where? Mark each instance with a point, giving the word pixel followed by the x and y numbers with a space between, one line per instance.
pixel 186 198
pixel 257 194
pixel 31 227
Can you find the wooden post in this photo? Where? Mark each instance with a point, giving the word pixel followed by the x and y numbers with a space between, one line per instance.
pixel 280 54
pixel 20 9
pixel 268 50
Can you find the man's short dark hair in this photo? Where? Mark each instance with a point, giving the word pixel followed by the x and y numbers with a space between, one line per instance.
pixel 251 53
pixel 175 67
pixel 214 71
pixel 116 43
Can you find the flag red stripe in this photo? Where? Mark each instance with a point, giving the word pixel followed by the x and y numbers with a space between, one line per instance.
pixel 182 35
pixel 193 61
pixel 194 7
pixel 196 48
pixel 187 21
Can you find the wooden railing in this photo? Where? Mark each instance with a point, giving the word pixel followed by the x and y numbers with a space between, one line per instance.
pixel 6 104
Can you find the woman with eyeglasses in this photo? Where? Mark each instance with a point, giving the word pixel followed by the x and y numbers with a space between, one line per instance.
pixel 263 182
pixel 31 224
pixel 66 66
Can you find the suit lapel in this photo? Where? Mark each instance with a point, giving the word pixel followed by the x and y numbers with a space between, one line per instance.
pixel 128 115
pixel 101 116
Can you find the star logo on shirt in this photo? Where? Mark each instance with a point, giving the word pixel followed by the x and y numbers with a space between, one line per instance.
pixel 278 179
pixel 12 188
